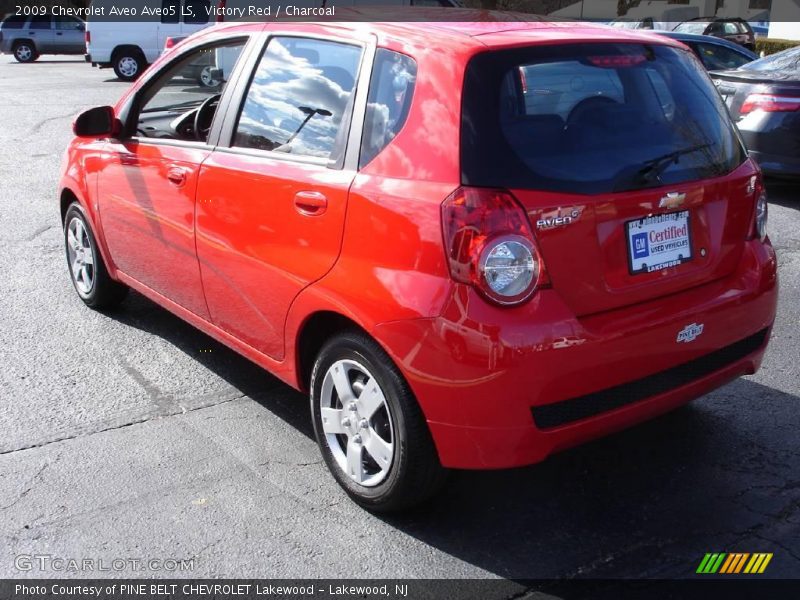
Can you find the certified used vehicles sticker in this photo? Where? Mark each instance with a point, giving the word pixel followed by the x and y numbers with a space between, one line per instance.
pixel 658 242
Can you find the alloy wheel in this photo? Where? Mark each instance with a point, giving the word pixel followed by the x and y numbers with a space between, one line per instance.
pixel 23 53
pixel 81 256
pixel 357 423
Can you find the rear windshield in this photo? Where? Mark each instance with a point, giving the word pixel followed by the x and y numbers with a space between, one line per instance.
pixel 698 27
pixel 593 119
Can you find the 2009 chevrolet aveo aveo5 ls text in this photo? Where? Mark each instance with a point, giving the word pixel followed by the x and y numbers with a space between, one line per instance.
pixel 470 254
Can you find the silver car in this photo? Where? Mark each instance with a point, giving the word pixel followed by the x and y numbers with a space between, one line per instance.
pixel 27 38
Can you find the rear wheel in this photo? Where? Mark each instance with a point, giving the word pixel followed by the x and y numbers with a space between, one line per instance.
pixel 25 52
pixel 86 267
pixel 369 427
pixel 128 64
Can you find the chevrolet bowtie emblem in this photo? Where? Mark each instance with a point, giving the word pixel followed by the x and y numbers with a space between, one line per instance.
pixel 672 200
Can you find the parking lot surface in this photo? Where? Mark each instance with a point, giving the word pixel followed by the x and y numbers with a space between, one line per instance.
pixel 130 435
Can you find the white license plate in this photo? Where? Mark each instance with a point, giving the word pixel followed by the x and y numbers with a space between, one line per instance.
pixel 658 242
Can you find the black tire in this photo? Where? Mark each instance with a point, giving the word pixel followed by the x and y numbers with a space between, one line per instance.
pixel 415 474
pixel 128 63
pixel 103 292
pixel 25 51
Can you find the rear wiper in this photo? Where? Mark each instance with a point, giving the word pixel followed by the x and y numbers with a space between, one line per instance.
pixel 654 167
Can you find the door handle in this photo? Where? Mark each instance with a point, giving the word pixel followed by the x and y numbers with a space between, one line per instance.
pixel 177 176
pixel 59 33
pixel 310 204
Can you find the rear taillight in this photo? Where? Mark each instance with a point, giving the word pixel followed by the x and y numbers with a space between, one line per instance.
pixel 170 43
pixel 490 245
pixel 758 190
pixel 221 10
pixel 88 36
pixel 762 211
pixel 523 80
pixel 770 103
pixel 616 61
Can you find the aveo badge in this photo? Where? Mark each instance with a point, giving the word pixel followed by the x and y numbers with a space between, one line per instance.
pixel 690 333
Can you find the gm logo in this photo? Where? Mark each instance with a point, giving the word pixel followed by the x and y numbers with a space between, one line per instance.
pixel 690 333
pixel 641 246
pixel 734 563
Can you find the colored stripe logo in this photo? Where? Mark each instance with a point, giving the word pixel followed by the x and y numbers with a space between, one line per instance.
pixel 734 563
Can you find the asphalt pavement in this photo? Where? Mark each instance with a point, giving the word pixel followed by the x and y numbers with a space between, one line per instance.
pixel 130 435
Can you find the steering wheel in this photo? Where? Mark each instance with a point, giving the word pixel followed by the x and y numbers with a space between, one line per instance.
pixel 204 116
pixel 587 105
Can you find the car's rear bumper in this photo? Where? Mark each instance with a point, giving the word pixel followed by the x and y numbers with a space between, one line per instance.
pixel 773 140
pixel 507 387
pixel 778 165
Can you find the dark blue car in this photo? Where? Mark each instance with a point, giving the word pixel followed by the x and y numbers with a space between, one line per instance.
pixel 715 53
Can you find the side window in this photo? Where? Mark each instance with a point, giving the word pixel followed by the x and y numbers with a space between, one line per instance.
pixel 299 97
pixel 181 103
pixel 40 22
pixel 68 23
pixel 196 11
pixel 170 11
pixel 391 89
pixel 14 22
pixel 719 57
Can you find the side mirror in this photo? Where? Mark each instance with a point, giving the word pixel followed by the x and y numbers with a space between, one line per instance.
pixel 97 122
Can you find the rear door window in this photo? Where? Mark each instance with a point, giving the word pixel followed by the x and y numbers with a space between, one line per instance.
pixel 300 98
pixel 41 22
pixel 593 118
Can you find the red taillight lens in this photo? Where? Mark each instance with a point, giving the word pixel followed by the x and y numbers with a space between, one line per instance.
pixel 221 6
pixel 770 103
pixel 523 80
pixel 490 245
pixel 170 43
pixel 87 36
pixel 616 61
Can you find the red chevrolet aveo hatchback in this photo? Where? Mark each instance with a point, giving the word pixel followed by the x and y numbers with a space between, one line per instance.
pixel 473 245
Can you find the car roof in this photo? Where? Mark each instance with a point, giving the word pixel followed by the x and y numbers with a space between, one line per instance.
pixel 464 26
pixel 717 19
pixel 707 39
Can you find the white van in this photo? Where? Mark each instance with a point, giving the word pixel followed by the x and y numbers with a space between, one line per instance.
pixel 129 46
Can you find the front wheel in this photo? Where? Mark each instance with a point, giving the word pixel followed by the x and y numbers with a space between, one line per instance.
pixel 369 427
pixel 86 267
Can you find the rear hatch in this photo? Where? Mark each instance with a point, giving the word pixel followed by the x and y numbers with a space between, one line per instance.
pixel 623 154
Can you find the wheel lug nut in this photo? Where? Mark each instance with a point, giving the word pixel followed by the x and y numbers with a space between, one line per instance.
pixel 356 439
pixel 363 424
pixel 346 422
pixel 352 407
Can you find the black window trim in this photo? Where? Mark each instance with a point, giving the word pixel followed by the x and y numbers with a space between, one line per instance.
pixel 354 120
pixel 131 106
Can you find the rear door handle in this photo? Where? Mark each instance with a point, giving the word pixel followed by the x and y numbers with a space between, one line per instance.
pixel 177 176
pixel 310 204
